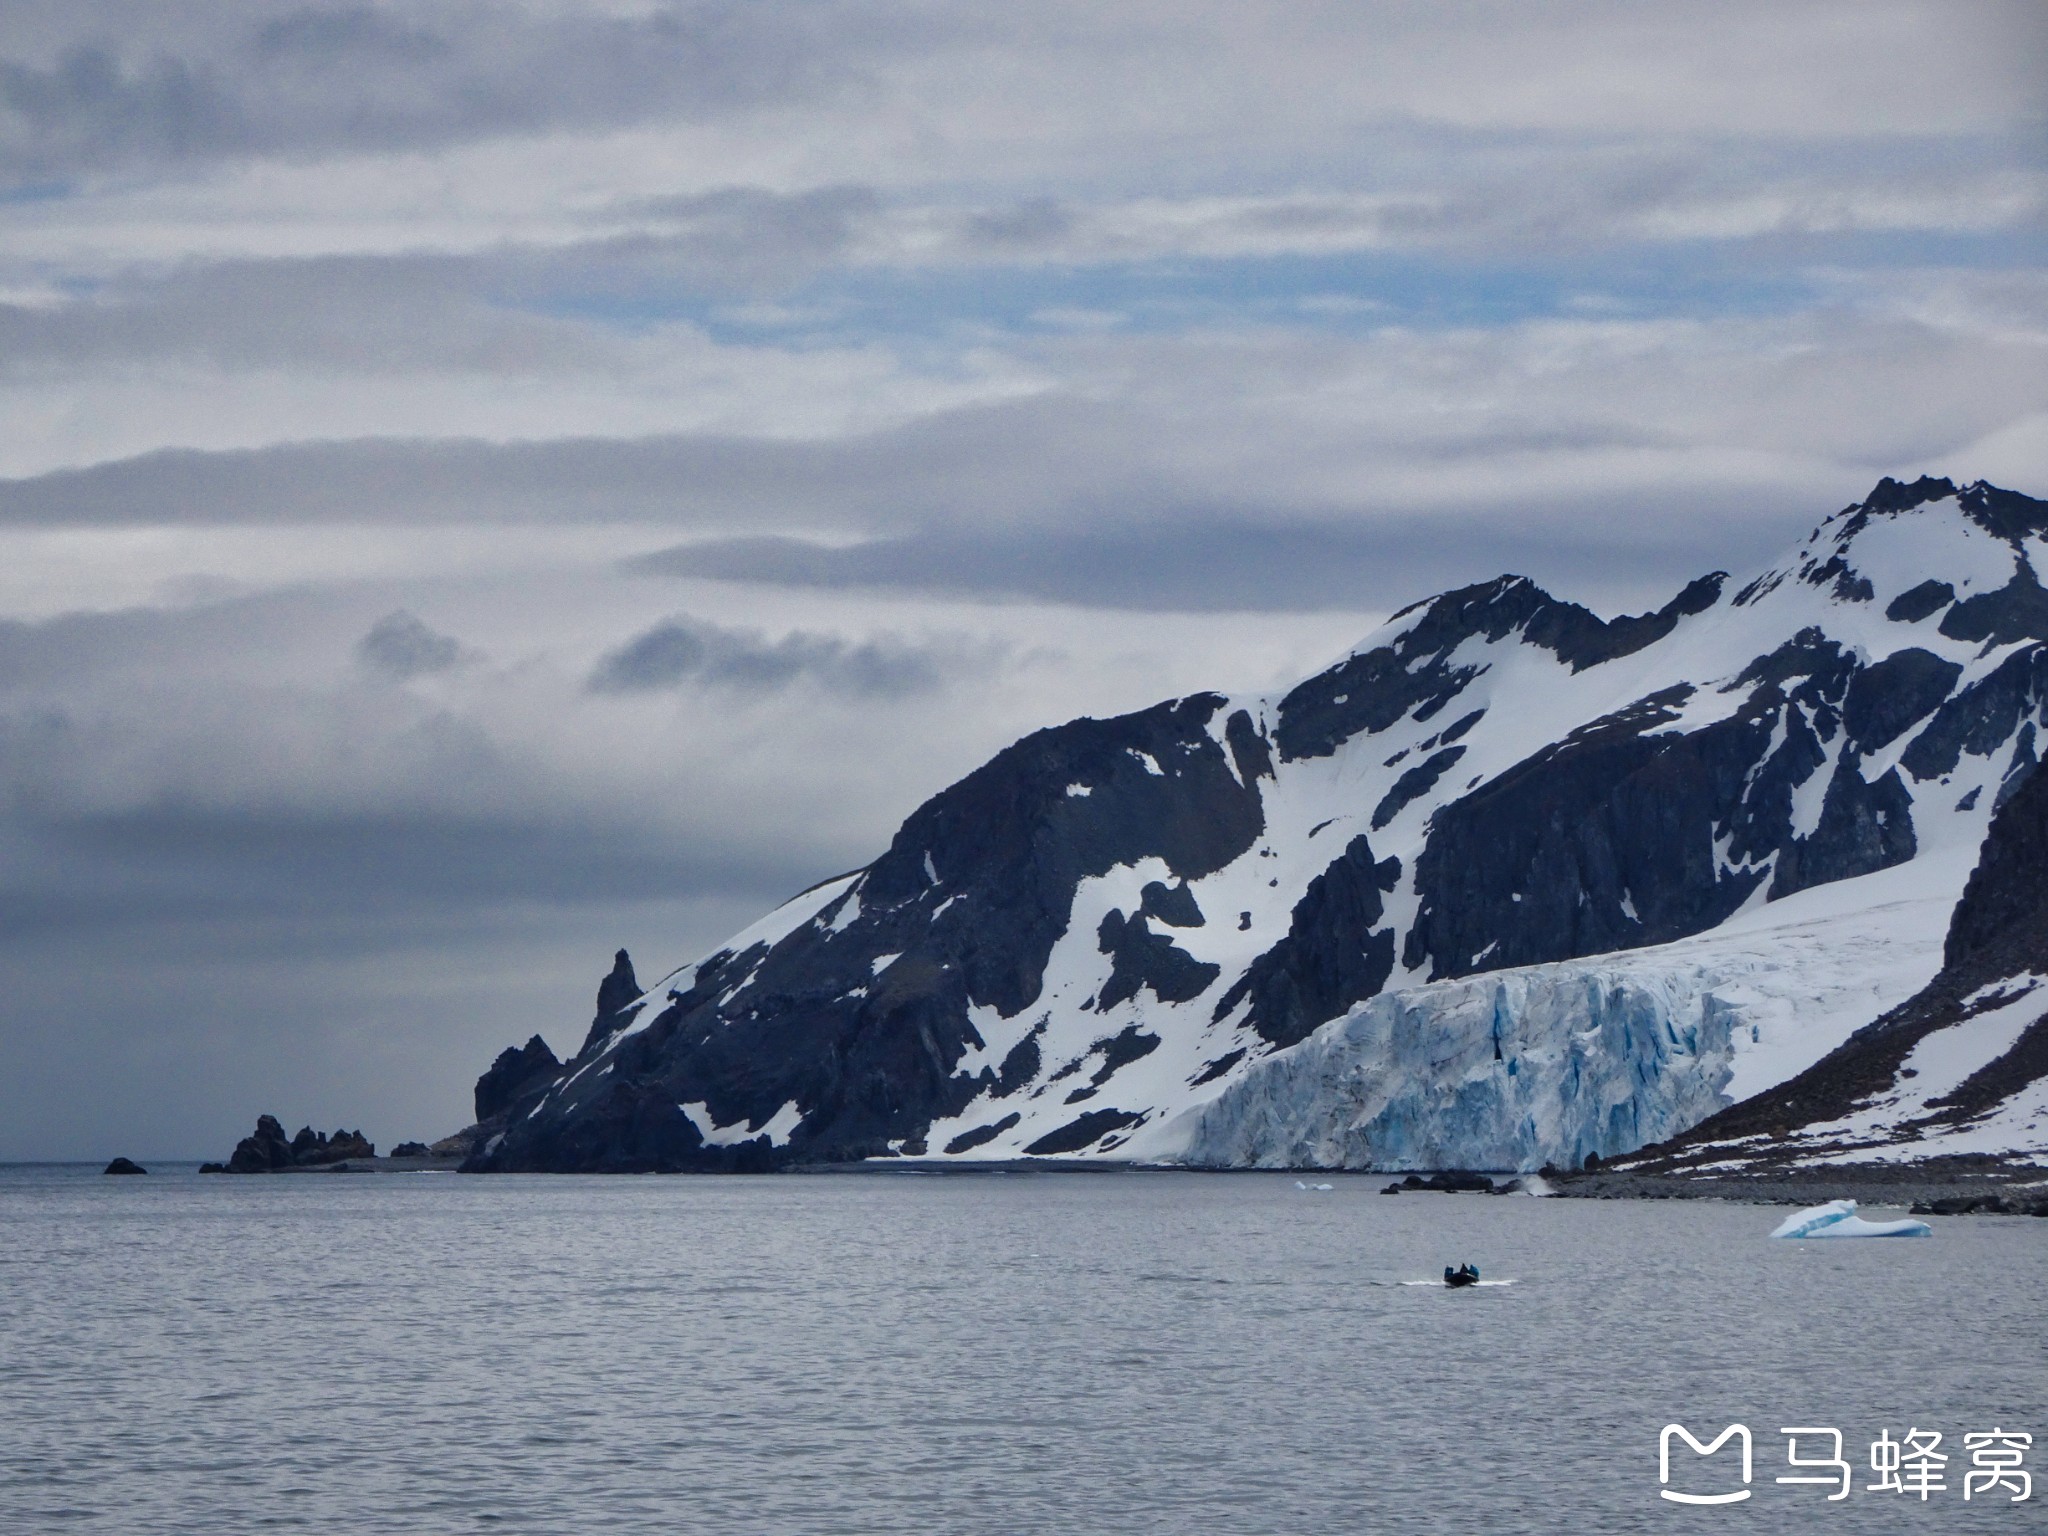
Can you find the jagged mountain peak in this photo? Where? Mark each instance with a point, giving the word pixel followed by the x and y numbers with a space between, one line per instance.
pixel 1108 924
pixel 1964 557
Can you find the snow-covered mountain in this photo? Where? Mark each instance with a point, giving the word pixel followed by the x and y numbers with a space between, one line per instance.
pixel 1956 1074
pixel 1351 923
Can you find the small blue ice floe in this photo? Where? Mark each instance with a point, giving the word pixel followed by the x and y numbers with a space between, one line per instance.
pixel 1838 1218
pixel 1299 1185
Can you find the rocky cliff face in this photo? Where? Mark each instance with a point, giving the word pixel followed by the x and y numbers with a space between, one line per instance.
pixel 1105 927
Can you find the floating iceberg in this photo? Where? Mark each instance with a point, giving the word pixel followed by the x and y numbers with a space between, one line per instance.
pixel 1838 1218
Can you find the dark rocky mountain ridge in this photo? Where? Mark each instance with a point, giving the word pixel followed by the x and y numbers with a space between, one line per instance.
pixel 1111 919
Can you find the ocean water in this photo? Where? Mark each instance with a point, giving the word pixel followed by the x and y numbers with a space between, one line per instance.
pixel 1042 1352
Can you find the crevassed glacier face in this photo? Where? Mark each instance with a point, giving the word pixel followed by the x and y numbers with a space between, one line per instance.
pixel 1543 1064
pixel 1514 1070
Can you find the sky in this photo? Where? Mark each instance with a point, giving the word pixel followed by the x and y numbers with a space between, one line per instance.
pixel 484 484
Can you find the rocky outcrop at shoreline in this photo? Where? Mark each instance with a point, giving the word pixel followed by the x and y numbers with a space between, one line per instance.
pixel 267 1150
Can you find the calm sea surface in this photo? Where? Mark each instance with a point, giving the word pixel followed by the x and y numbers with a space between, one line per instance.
pixel 1069 1353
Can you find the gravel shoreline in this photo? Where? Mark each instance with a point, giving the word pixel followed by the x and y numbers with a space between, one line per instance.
pixel 2015 1186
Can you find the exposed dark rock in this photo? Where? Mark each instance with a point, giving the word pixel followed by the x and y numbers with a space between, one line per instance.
pixel 1863 827
pixel 123 1165
pixel 311 1148
pixel 1457 728
pixel 1890 495
pixel 1446 1183
pixel 1331 958
pixel 1601 842
pixel 267 1151
pixel 1986 1205
pixel 2005 904
pixel 1412 675
pixel 1131 1044
pixel 1083 1132
pixel 1173 905
pixel 213 1167
pixel 1980 718
pixel 1413 785
pixel 1140 958
pixel 618 1004
pixel 2016 611
pixel 973 892
pixel 264 1151
pixel 2020 768
pixel 1021 1065
pixel 1916 603
pixel 2008 514
pixel 1582 639
pixel 981 1135
pixel 1248 749
pixel 1217 1068
pixel 516 1073
pixel 1887 697
pixel 412 1149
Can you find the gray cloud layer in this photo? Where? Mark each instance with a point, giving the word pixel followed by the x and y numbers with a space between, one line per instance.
pixel 496 479
pixel 686 650
pixel 401 647
pixel 321 79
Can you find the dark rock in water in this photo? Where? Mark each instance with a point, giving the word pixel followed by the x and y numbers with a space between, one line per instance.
pixel 411 1149
pixel 311 1148
pixel 213 1167
pixel 350 1144
pixel 265 1151
pixel 618 1002
pixel 1447 1183
pixel 514 1074
pixel 123 1165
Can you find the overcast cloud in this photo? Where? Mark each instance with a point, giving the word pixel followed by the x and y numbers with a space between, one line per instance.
pixel 485 483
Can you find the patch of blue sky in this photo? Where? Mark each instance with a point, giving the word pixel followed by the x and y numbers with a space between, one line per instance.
pixel 1348 293
pixel 1342 293
pixel 37 192
pixel 1324 292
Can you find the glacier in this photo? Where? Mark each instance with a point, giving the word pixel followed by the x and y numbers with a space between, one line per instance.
pixel 1542 1065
